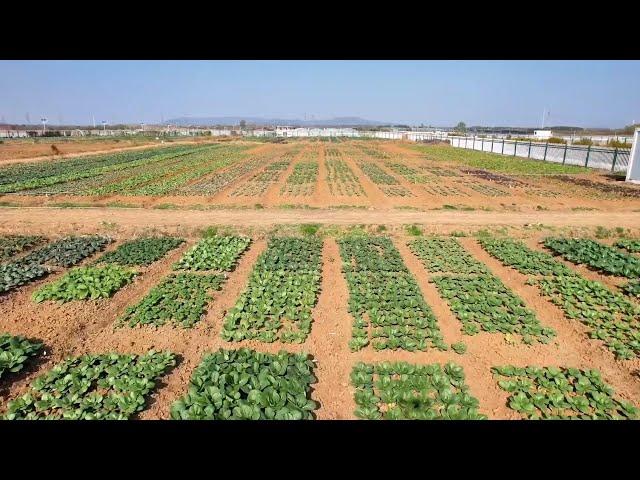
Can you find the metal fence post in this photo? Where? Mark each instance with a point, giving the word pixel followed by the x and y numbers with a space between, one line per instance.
pixel 474 143
pixel 482 144
pixel 586 162
pixel 515 147
pixel 564 157
pixel 491 144
pixel 615 157
pixel 529 154
pixel 546 146
pixel 502 151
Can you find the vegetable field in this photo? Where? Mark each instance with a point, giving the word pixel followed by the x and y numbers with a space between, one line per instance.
pixel 300 279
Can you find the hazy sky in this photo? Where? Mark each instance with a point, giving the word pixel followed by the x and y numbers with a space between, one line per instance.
pixel 442 93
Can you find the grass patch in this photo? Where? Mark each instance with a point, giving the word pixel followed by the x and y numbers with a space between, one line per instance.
pixel 165 206
pixel 8 204
pixel 72 205
pixel 121 205
pixel 494 162
pixel 309 229
pixel 413 230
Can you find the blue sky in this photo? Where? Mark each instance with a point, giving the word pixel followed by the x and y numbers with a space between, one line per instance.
pixel 580 93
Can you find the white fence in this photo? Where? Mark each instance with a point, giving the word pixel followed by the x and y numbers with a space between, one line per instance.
pixel 614 159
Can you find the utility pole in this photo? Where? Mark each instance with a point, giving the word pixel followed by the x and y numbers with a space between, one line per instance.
pixel 44 123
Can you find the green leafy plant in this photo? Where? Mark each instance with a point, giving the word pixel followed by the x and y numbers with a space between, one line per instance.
pixel 445 255
pixel 630 245
pixel 309 229
pixel 248 385
pixel 84 283
pixel 92 387
pixel 553 393
pixel 67 251
pixel 595 255
pixel 180 300
pixel 282 291
pixel 16 274
pixel 459 347
pixel 219 253
pixel 402 391
pixel 483 302
pixel 15 351
pixel 609 316
pixel 385 301
pixel 12 245
pixel 142 251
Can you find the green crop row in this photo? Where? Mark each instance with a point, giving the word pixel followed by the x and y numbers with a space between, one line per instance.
pixel 92 387
pixel 179 299
pixel 385 301
pixel 410 173
pixel 220 253
pixel 445 255
pixel 609 315
pixel 561 393
pixel 142 251
pixel 630 245
pixel 247 385
pixel 51 173
pixel 402 391
pixel 85 182
pixel 64 253
pixel 483 302
pixel 478 298
pixel 595 255
pixel 12 245
pixel 15 351
pixel 201 165
pixel 67 251
pixel 283 289
pixel 376 174
pixel 83 283
pixel 341 179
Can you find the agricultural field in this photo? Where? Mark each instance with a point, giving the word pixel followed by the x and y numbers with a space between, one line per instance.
pixel 316 279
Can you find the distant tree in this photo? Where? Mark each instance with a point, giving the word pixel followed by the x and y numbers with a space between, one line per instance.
pixel 243 124
pixel 461 127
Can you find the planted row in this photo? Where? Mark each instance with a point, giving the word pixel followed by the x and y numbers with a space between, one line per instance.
pixel 402 391
pixel 247 385
pixel 142 251
pixel 302 180
pixel 478 298
pixel 220 253
pixel 182 299
pixel 85 283
pixel 11 245
pixel 610 316
pixel 15 351
pixel 553 393
pixel 283 289
pixel 595 255
pixel 63 253
pixel 385 301
pixel 341 179
pixel 92 387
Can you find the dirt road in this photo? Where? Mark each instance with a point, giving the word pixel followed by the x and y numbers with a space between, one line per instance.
pixel 45 218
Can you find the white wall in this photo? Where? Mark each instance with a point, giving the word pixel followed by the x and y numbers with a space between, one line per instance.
pixel 633 172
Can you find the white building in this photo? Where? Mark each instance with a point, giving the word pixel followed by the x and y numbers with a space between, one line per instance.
pixel 542 134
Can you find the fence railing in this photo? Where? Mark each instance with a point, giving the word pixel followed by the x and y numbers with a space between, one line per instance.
pixel 613 159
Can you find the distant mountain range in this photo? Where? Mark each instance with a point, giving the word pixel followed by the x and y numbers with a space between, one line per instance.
pixel 330 122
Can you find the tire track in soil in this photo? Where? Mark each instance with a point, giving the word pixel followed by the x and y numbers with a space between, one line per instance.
pixel 572 346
